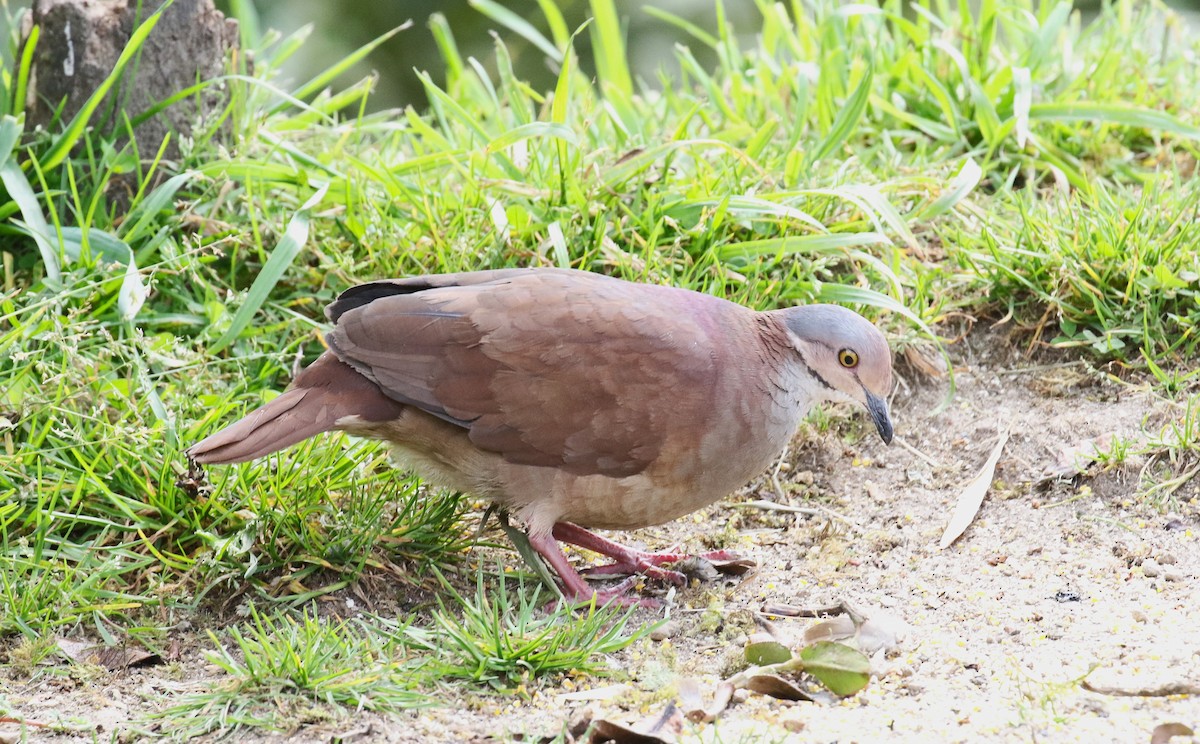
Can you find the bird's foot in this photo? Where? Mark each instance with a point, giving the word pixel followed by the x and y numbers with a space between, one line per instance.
pixel 617 596
pixel 575 590
pixel 648 570
pixel 627 561
pixel 650 565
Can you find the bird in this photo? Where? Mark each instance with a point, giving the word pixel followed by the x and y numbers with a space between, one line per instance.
pixel 572 399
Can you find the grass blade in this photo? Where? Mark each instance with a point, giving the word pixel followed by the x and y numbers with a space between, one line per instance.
pixel 19 190
pixel 959 187
pixel 808 244
pixel 612 62
pixel 294 238
pixel 847 118
pixel 328 74
pixel 114 250
pixel 518 26
pixel 17 105
pixel 1114 113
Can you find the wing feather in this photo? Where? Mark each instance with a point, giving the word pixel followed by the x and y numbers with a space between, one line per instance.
pixel 545 367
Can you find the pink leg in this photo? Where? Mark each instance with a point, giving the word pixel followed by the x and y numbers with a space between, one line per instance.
pixel 575 589
pixel 628 561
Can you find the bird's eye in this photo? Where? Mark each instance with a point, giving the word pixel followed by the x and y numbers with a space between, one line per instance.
pixel 848 358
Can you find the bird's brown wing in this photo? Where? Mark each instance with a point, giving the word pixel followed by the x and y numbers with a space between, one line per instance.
pixel 545 367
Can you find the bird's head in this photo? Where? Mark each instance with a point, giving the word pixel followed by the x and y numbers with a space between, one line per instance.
pixel 847 355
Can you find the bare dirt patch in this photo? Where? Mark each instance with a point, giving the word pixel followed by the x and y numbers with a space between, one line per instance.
pixel 1055 581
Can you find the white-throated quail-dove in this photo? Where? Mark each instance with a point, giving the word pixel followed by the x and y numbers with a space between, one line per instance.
pixel 574 400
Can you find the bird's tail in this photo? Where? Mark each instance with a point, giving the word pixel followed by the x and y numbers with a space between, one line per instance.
pixel 288 419
pixel 324 394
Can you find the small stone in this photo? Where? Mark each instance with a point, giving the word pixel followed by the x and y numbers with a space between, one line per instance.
pixel 666 630
pixel 1140 616
pixel 1171 575
pixel 793 725
pixel 1166 559
pixel 919 476
pixel 1151 568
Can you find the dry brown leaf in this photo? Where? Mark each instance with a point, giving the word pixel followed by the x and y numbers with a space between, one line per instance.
pixel 691 700
pixel 869 635
pixel 972 496
pixel 1070 461
pixel 925 360
pixel 111 658
pixel 601 694
pixel 777 687
pixel 733 566
pixel 833 629
pixel 661 729
pixel 721 699
pixel 1164 732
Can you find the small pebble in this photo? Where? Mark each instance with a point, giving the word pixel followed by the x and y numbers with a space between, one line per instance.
pixel 792 724
pixel 1170 575
pixel 665 631
pixel 1151 568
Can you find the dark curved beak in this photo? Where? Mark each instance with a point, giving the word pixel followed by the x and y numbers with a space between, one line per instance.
pixel 878 409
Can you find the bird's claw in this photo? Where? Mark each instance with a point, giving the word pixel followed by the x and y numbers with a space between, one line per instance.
pixel 649 570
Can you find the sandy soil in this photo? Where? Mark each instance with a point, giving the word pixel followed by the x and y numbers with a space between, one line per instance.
pixel 1053 581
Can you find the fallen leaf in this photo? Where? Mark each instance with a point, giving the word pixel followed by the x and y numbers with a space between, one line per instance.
pixel 925 360
pixel 763 650
pixel 721 699
pixel 1070 461
pixel 972 496
pixel 691 700
pixel 880 633
pixel 352 734
pixel 111 658
pixel 607 692
pixel 869 635
pixel 733 566
pixel 777 687
pixel 833 629
pixel 1164 732
pixel 661 729
pixel 844 670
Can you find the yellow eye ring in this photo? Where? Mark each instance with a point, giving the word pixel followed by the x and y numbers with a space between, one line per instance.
pixel 847 358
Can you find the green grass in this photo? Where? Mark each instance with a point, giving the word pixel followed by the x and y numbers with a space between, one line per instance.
pixel 507 641
pixel 285 672
pixel 919 165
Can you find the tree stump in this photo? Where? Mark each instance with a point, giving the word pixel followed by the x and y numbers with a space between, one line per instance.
pixel 79 45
